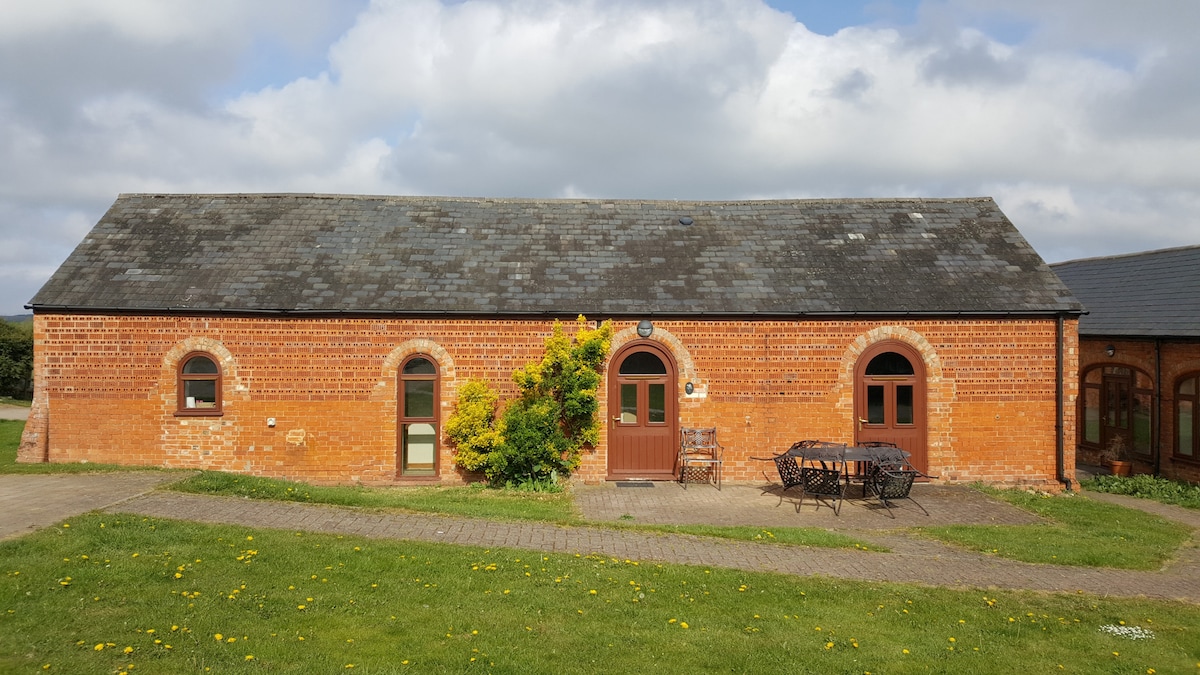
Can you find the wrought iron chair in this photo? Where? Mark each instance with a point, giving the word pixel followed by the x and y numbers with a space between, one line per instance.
pixel 893 485
pixel 863 471
pixel 787 467
pixel 892 478
pixel 700 453
pixel 822 469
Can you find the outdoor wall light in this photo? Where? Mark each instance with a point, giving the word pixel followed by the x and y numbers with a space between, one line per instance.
pixel 689 388
pixel 1110 350
pixel 645 328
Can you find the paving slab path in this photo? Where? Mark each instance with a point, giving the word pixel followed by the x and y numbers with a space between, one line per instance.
pixel 911 560
pixel 30 502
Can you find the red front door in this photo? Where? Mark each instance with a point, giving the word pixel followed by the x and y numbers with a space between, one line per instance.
pixel 889 399
pixel 642 434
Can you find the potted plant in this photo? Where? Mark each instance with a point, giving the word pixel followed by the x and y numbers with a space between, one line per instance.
pixel 1116 456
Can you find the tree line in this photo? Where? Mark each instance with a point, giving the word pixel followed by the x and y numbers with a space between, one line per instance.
pixel 16 359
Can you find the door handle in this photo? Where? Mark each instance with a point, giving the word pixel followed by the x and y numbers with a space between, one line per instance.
pixel 861 422
pixel 616 419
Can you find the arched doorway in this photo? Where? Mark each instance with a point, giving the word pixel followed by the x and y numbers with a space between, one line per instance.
pixel 889 399
pixel 643 417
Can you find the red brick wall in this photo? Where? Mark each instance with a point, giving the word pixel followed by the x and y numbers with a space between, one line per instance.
pixel 105 390
pixel 1177 359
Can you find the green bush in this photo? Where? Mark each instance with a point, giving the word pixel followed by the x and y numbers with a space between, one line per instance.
pixel 1148 487
pixel 541 433
pixel 472 427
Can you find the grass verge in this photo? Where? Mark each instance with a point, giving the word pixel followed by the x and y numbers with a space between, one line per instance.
pixel 1079 531
pixel 479 501
pixel 474 501
pixel 110 593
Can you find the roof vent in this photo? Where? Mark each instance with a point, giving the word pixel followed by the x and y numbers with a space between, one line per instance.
pixel 915 216
pixel 685 220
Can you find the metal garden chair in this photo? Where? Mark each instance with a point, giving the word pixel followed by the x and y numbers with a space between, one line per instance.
pixel 700 453
pixel 787 467
pixel 822 469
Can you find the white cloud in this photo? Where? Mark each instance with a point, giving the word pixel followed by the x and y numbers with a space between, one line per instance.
pixel 1084 133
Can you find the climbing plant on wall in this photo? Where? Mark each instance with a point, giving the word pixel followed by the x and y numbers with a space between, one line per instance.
pixel 541 433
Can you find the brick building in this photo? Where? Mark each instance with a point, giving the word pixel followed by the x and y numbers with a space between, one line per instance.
pixel 1139 363
pixel 324 337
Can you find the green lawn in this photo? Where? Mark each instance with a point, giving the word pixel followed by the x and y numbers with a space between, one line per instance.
pixel 1080 531
pixel 110 593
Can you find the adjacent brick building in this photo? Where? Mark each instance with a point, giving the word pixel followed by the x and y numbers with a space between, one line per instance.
pixel 1139 364
pixel 324 337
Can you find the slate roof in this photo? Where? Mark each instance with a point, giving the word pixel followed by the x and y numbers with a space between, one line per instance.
pixel 437 255
pixel 1151 294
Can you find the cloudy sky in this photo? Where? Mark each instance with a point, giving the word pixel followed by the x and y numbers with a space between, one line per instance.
pixel 1081 117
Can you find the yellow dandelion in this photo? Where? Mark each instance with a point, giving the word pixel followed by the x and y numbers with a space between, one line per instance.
pixel 828 645
pixel 683 624
pixel 99 646
pixel 218 637
pixel 128 650
pixel 904 651
pixel 249 657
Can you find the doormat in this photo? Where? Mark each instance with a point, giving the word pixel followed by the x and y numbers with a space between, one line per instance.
pixel 635 483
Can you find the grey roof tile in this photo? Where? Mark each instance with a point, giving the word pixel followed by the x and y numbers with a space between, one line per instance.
pixel 364 254
pixel 1150 294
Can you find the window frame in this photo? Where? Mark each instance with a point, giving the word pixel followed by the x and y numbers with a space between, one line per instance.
pixel 1102 374
pixel 1194 399
pixel 403 421
pixel 182 378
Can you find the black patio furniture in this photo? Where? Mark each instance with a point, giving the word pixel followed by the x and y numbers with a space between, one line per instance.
pixel 822 469
pixel 700 454
pixel 892 477
pixel 892 485
pixel 787 467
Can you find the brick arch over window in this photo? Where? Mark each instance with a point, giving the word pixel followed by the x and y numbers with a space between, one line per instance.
pixel 939 390
pixel 233 388
pixel 385 389
pixel 683 358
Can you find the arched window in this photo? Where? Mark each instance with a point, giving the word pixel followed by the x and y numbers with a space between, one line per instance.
pixel 418 417
pixel 1187 422
pixel 199 386
pixel 1117 401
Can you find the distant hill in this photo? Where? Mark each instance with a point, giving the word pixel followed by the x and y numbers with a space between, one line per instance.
pixel 17 318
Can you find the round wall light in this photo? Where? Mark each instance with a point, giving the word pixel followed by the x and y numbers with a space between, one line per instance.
pixel 689 388
pixel 645 328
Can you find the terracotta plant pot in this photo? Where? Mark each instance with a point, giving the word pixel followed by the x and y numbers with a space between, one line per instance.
pixel 1120 468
